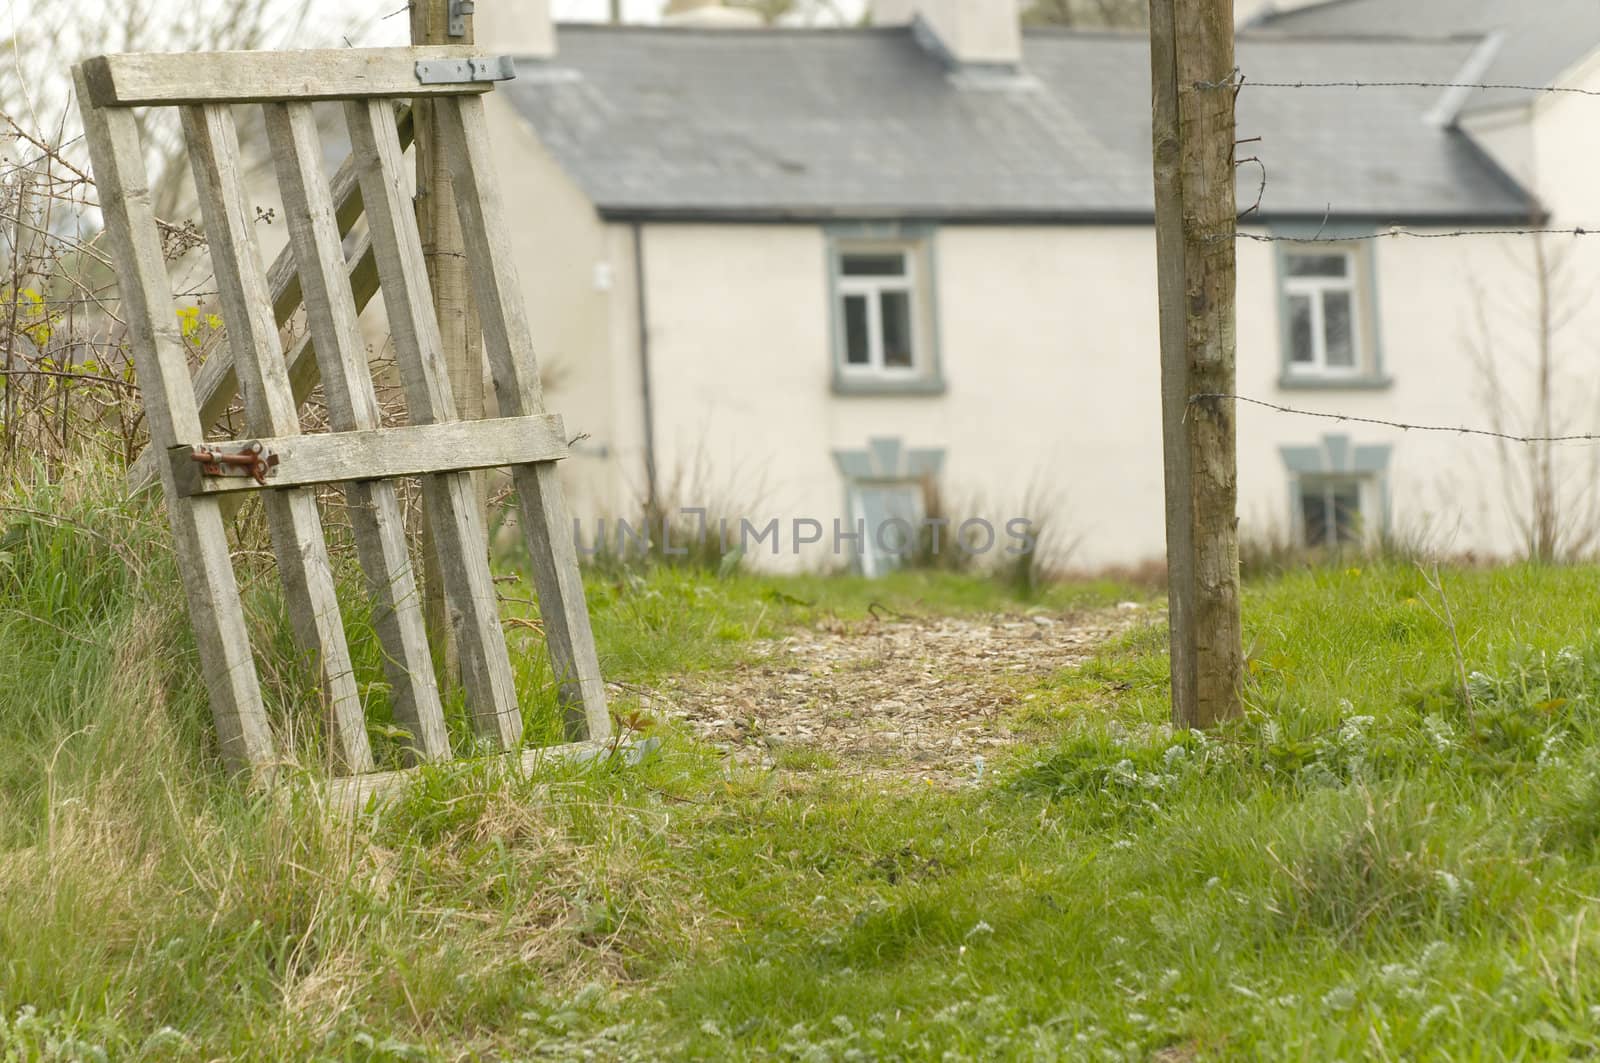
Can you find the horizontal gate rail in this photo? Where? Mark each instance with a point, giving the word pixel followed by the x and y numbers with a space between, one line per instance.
pixel 357 794
pixel 164 79
pixel 382 453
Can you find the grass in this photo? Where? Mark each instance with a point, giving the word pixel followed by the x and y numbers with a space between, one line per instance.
pixel 1373 863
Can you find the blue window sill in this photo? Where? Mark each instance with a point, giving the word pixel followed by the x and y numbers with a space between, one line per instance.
pixel 845 385
pixel 1289 382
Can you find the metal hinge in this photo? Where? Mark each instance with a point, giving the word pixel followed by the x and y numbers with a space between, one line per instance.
pixel 459 10
pixel 458 71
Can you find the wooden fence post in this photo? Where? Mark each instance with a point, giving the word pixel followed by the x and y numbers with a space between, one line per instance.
pixel 1191 58
pixel 445 255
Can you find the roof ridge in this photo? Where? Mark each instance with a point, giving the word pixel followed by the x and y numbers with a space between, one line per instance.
pixel 823 31
pixel 1265 33
pixel 1273 13
pixel 1258 34
pixel 663 29
pixel 1082 31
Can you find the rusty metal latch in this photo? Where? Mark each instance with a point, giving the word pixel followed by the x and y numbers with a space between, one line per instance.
pixel 251 459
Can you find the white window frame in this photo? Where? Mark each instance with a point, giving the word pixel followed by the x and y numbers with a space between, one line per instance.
pixel 1315 289
pixel 872 289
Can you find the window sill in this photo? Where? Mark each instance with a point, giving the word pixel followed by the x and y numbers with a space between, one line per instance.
pixel 1289 382
pixel 847 385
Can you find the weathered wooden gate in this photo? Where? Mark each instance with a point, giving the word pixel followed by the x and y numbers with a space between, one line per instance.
pixel 360 454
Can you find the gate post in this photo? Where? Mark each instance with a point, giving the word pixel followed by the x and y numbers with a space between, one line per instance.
pixel 1192 103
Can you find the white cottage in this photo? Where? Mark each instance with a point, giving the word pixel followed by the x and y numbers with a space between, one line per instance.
pixel 798 274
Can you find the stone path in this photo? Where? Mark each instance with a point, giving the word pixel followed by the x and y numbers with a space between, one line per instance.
pixel 894 696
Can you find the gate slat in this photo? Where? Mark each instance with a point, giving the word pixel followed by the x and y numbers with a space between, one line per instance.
pixel 270 409
pixel 450 499
pixel 375 513
pixel 509 345
pixel 201 544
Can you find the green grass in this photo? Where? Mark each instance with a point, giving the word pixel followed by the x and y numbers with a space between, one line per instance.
pixel 1371 864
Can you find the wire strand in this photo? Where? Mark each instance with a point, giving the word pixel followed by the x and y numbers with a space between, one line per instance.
pixel 1276 238
pixel 1238 82
pixel 1586 437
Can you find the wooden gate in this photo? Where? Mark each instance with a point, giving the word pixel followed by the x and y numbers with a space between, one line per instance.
pixel 359 454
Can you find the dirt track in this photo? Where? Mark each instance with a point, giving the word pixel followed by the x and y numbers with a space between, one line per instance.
pixel 920 698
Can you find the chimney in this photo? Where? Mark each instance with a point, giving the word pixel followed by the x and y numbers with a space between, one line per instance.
pixel 515 27
pixel 1247 13
pixel 708 14
pixel 892 12
pixel 980 32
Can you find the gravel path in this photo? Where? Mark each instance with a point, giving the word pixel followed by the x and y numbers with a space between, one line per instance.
pixel 896 696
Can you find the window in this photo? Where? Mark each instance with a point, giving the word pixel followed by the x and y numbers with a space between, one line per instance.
pixel 1331 511
pixel 891 517
pixel 876 292
pixel 885 334
pixel 1338 490
pixel 1324 313
pixel 884 491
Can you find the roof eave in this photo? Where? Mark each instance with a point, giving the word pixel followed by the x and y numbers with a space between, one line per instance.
pixel 813 215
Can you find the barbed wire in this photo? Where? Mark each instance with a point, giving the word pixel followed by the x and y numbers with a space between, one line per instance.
pixel 1461 430
pixel 1387 234
pixel 1236 81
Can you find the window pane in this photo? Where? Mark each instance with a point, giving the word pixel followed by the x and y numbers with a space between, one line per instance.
pixel 1337 325
pixel 1318 265
pixel 883 264
pixel 896 311
pixel 1300 348
pixel 855 330
pixel 1347 512
pixel 1314 514
pixel 1330 508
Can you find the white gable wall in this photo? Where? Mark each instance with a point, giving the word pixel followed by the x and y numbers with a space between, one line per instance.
pixel 1551 145
pixel 564 257
pixel 1564 147
pixel 1507 136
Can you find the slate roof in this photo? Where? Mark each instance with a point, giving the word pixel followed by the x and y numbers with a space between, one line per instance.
pixel 1542 39
pixel 865 123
